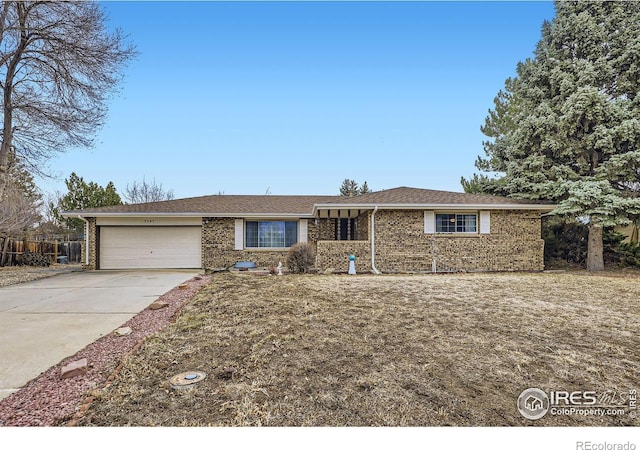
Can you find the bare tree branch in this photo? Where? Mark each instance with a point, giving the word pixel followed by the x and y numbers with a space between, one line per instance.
pixel 58 63
pixel 146 192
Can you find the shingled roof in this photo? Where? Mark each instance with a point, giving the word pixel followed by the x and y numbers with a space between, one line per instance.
pixel 414 196
pixel 228 205
pixel 306 205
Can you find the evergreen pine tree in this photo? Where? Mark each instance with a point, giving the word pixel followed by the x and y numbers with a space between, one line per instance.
pixel 83 195
pixel 567 127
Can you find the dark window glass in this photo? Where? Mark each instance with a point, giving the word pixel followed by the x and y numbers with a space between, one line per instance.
pixel 456 223
pixel 270 234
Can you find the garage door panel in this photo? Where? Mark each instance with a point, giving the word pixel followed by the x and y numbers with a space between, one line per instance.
pixel 150 247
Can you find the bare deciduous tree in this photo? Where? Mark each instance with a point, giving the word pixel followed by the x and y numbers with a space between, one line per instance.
pixel 17 212
pixel 146 192
pixel 50 223
pixel 58 63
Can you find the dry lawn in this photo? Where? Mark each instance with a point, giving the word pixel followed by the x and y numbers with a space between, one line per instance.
pixel 414 350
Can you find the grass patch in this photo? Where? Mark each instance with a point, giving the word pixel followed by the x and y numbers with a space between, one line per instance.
pixel 419 350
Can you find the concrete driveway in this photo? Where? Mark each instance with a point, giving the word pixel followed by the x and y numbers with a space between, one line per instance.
pixel 44 321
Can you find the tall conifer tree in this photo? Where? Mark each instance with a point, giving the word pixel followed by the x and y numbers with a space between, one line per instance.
pixel 567 127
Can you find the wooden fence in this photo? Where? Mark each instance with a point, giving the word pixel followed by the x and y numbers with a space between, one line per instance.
pixel 11 250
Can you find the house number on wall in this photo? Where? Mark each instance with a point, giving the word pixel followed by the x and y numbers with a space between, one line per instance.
pixel 149 220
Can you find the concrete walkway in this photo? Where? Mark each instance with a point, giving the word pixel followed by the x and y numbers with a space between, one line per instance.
pixel 44 321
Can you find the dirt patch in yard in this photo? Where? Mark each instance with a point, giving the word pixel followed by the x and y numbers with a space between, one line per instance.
pixel 419 350
pixel 21 274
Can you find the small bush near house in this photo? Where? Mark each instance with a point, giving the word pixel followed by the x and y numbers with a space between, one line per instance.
pixel 34 259
pixel 301 258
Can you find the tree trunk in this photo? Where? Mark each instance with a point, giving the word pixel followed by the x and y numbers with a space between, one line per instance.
pixel 5 247
pixel 7 136
pixel 5 145
pixel 595 249
pixel 4 168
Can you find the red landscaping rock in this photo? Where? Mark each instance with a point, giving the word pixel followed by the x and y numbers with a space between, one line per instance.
pixel 74 369
pixel 158 305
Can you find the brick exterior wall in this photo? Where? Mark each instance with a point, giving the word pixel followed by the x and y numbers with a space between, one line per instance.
pixel 363 226
pixel 218 246
pixel 92 264
pixel 514 244
pixel 335 255
pixel 326 229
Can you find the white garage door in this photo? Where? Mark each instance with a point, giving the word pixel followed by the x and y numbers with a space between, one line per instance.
pixel 150 247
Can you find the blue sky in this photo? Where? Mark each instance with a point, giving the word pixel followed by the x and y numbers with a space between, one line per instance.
pixel 294 97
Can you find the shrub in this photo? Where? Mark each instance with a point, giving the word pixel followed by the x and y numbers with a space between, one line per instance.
pixel 34 259
pixel 627 254
pixel 301 258
pixel 569 241
pixel 564 241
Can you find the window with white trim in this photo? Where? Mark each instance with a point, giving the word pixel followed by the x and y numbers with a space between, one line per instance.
pixel 270 234
pixel 456 223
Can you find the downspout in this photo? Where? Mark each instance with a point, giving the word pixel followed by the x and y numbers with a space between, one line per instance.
pixel 317 221
pixel 373 241
pixel 86 239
